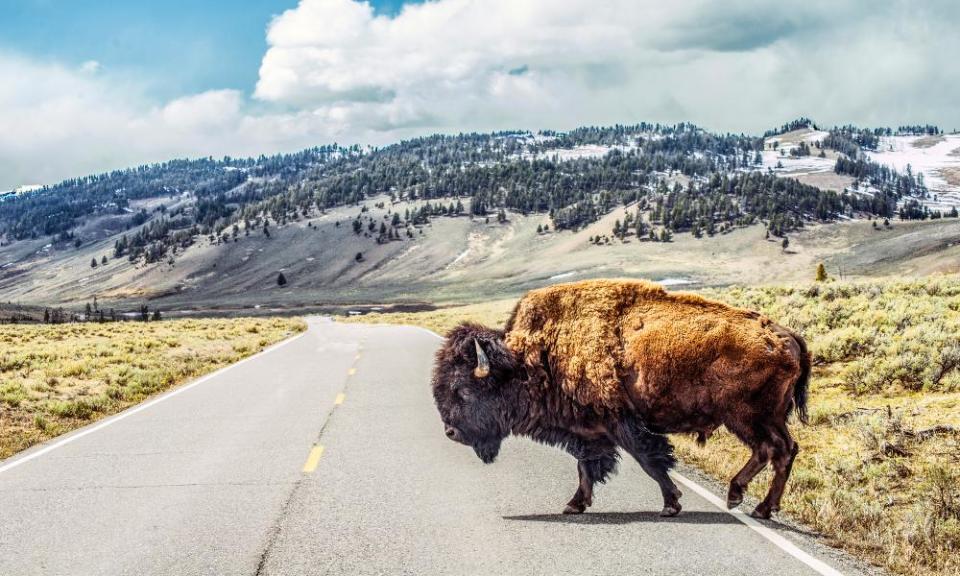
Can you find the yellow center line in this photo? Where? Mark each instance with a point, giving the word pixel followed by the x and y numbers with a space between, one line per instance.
pixel 340 398
pixel 313 459
pixel 351 371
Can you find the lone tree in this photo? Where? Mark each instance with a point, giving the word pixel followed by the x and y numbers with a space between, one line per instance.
pixel 359 257
pixel 281 279
pixel 821 272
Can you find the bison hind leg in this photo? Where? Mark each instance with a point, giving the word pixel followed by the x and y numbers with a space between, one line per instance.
pixel 784 451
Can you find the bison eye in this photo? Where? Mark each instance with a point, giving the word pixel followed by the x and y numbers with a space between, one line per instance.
pixel 465 393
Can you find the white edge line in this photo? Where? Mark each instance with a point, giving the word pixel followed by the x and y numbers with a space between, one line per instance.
pixel 771 535
pixel 429 331
pixel 768 533
pixel 15 461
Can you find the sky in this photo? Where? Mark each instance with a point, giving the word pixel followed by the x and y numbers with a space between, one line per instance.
pixel 91 85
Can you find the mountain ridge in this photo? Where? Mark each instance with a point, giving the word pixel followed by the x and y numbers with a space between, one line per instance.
pixel 161 231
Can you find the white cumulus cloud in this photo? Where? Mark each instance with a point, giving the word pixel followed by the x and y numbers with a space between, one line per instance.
pixel 483 64
pixel 335 70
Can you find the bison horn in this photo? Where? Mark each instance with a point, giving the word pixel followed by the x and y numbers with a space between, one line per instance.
pixel 483 364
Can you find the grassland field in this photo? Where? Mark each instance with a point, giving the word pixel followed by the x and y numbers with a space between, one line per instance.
pixel 879 469
pixel 55 378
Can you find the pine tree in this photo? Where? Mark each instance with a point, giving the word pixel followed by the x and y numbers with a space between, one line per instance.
pixel 281 279
pixel 93 263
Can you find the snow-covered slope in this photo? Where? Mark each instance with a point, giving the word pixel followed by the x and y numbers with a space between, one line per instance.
pixel 776 153
pixel 936 157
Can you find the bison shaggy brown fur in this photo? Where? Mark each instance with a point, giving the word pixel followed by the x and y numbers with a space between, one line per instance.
pixel 601 365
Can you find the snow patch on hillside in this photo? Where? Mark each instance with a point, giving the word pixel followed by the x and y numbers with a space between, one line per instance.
pixel 935 162
pixel 780 161
pixel 791 165
pixel 579 152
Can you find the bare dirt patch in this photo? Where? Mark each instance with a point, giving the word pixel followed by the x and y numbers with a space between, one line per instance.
pixel 825 180
pixel 951 175
pixel 928 141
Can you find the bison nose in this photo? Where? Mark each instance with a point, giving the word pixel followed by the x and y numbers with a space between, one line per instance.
pixel 452 433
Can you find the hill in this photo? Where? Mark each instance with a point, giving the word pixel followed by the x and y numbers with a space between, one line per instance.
pixel 435 218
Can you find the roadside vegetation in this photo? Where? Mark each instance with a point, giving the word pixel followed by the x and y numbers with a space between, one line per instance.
pixel 54 378
pixel 879 468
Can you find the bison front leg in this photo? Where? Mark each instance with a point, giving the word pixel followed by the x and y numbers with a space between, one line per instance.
pixel 595 462
pixel 655 455
pixel 590 471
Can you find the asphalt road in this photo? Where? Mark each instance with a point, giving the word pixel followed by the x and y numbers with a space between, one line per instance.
pixel 325 455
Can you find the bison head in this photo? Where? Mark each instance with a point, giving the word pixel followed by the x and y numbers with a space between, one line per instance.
pixel 470 376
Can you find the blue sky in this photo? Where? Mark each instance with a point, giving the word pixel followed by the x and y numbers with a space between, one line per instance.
pixel 92 85
pixel 178 46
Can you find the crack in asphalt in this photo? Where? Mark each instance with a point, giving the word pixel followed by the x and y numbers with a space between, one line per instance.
pixel 275 528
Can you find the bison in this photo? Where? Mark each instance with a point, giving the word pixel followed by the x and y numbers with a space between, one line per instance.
pixel 602 365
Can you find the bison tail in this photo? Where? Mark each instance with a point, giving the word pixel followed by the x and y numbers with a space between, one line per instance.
pixel 802 384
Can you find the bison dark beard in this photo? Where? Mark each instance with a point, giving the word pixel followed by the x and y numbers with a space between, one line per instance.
pixel 487 450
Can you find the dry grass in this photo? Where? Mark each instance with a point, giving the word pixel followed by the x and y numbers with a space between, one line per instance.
pixel 928 141
pixel 951 174
pixel 493 313
pixel 54 378
pixel 878 471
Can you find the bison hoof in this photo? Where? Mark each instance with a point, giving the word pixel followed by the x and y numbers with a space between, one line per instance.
pixel 574 509
pixel 734 501
pixel 761 512
pixel 670 510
